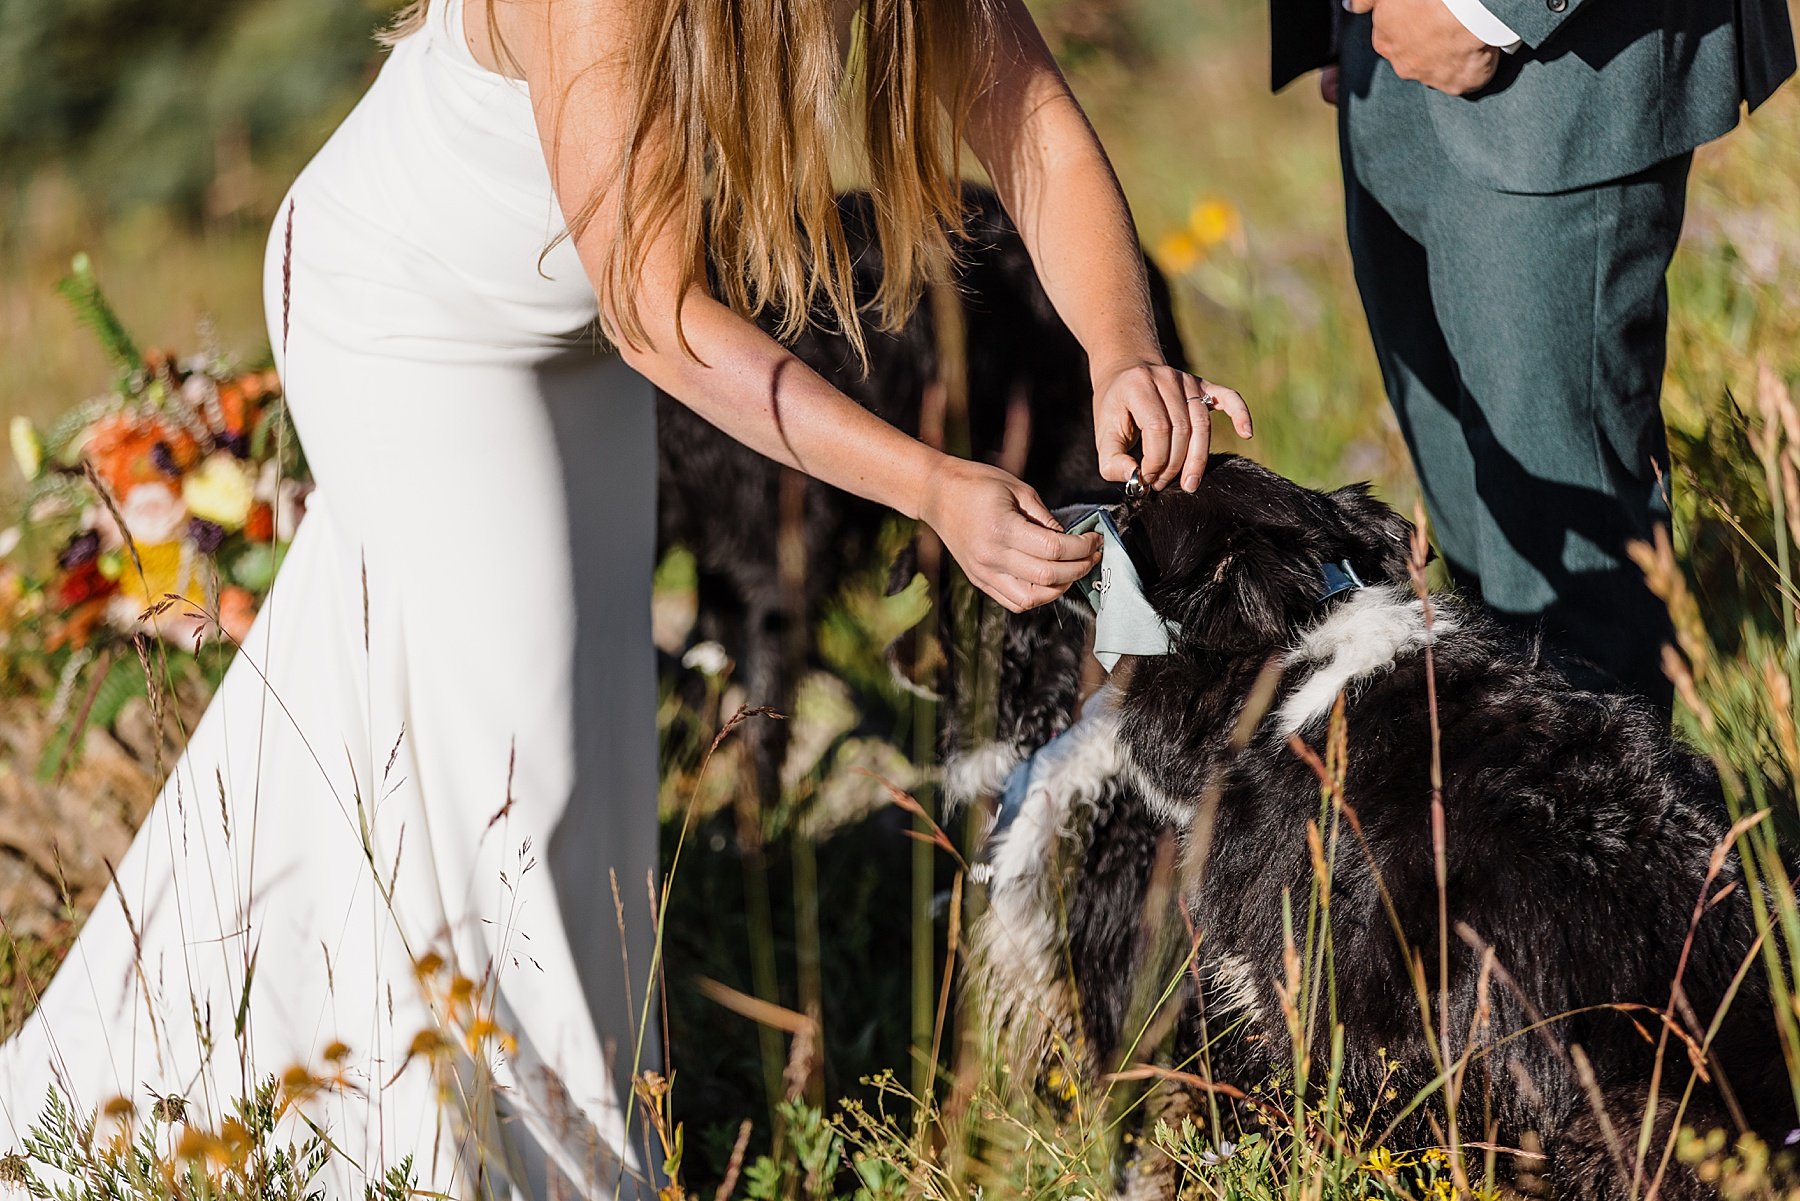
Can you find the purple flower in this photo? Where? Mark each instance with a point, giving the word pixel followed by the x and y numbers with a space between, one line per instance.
pixel 82 548
pixel 205 535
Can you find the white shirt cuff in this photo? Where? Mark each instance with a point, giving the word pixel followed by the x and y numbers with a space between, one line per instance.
pixel 1483 24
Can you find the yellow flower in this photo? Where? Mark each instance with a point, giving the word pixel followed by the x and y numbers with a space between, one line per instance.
pixel 1213 221
pixel 220 491
pixel 27 447
pixel 167 569
pixel 1380 1160
pixel 1177 252
pixel 1433 1155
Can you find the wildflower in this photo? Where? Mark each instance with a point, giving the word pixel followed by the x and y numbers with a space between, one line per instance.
pixel 163 455
pixel 166 569
pixel 1213 221
pixel 238 1140
pixel 428 1043
pixel 1434 1155
pixel 336 1052
pixel 1380 1160
pixel 1213 1158
pixel 119 1109
pixel 259 525
pixel 27 447
pixel 220 490
pixel 286 498
pixel 1442 1189
pixel 198 1144
pixel 152 513
pixel 83 584
pixel 14 1170
pixel 237 610
pixel 205 535
pixel 170 1108
pixel 81 549
pixel 485 1030
pixel 1178 252
pixel 123 449
pixel 708 658
pixel 428 965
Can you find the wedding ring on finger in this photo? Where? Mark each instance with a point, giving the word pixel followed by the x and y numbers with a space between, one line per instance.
pixel 1211 402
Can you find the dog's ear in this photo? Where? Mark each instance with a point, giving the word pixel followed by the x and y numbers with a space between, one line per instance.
pixel 1385 537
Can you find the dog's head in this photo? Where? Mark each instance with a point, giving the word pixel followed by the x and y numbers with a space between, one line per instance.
pixel 1235 568
pixel 1239 564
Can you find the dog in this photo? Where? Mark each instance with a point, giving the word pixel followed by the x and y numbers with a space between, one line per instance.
pixel 1584 850
pixel 1029 409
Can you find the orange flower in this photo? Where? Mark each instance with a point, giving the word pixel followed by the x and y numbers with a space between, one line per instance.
pixel 260 525
pixel 123 449
pixel 234 407
pixel 237 609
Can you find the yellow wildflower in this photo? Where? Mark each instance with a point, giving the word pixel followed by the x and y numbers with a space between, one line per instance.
pixel 1213 221
pixel 1380 1160
pixel 220 491
pixel 1177 252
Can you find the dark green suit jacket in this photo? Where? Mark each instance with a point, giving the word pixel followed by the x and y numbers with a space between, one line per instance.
pixel 1601 89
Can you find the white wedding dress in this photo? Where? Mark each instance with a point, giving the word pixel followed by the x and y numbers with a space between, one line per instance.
pixel 438 744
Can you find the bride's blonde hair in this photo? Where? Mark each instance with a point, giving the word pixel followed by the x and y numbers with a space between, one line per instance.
pixel 740 106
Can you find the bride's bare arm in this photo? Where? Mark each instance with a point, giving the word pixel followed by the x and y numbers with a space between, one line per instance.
pixel 1057 184
pixel 743 381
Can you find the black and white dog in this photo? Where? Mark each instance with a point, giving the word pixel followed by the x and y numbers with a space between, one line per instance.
pixel 1578 842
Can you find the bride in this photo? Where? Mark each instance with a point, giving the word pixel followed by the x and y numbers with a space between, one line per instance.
pixel 406 862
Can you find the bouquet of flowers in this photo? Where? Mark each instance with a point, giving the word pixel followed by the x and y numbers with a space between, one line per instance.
pixel 160 509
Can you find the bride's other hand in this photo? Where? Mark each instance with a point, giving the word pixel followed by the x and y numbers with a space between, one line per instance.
pixel 1002 535
pixel 1169 413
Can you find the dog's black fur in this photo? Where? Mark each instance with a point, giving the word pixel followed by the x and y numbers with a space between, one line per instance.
pixel 1577 841
pixel 723 502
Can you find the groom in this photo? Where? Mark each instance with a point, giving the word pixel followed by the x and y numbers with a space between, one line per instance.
pixel 1515 173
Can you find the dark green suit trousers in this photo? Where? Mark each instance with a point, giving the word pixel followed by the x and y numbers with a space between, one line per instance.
pixel 1510 247
pixel 1521 339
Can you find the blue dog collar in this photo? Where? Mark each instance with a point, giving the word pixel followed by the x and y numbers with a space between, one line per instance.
pixel 1337 578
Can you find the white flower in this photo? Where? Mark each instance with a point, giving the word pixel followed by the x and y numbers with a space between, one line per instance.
pixel 707 658
pixel 285 496
pixel 9 540
pixel 220 490
pixel 152 513
pixel 199 390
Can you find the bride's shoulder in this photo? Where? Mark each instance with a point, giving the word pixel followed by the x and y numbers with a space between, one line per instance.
pixel 526 38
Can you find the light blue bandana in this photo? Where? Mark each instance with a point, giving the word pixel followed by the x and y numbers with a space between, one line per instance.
pixel 1124 622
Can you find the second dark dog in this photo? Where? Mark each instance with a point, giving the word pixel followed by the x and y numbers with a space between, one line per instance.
pixel 1029 408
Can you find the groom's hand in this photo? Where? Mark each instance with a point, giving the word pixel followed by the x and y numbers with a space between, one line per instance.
pixel 1423 40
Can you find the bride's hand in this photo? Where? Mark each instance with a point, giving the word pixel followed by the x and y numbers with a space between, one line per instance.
pixel 1001 534
pixel 1168 411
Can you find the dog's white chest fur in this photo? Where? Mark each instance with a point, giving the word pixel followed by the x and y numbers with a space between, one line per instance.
pixel 1368 633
